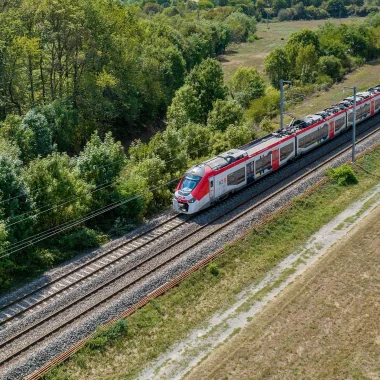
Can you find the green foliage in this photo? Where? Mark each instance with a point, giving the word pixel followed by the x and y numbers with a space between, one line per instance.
pixel 305 63
pixel 22 137
pixel 240 26
pixel 13 194
pixel 277 66
pixel 223 114
pixel 42 132
pixel 336 8
pixel 247 85
pixel 194 100
pixel 330 66
pixel 213 269
pixel 267 105
pixel 196 140
pixel 81 239
pixel 60 193
pixel 106 337
pixel 266 125
pixel 205 4
pixel 343 175
pixel 100 162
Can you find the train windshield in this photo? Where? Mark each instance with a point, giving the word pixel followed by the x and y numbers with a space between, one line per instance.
pixel 189 182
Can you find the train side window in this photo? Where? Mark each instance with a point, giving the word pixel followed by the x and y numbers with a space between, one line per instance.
pixel 212 183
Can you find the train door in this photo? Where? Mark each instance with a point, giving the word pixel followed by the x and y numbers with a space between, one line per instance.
pixel 275 159
pixel 372 107
pixel 331 129
pixel 212 188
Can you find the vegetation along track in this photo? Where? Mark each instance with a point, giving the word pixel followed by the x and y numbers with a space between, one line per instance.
pixel 25 345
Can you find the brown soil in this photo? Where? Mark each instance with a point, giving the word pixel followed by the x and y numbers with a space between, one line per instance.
pixel 324 326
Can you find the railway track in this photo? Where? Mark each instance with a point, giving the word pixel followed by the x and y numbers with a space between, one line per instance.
pixel 143 268
pixel 28 301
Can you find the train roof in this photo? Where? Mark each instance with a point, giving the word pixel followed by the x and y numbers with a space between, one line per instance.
pixel 374 89
pixel 225 159
pixel 263 143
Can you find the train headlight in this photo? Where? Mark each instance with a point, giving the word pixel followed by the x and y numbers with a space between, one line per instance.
pixel 192 200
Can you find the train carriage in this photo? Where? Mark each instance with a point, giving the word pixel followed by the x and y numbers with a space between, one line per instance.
pixel 206 183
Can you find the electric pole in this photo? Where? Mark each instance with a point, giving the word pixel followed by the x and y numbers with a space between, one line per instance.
pixel 353 123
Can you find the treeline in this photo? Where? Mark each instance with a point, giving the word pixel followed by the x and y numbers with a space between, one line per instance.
pixel 100 65
pixel 279 10
pixel 324 56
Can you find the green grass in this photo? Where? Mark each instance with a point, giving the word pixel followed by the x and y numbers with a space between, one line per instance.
pixel 170 318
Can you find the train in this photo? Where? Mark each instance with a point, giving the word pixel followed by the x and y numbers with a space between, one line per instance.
pixel 213 180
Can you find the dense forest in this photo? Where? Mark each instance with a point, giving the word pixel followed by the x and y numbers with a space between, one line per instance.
pixel 77 76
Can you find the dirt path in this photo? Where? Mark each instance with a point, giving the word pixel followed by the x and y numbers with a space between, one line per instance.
pixel 186 355
pixel 324 326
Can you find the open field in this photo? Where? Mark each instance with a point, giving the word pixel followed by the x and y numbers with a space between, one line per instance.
pixel 170 318
pixel 253 54
pixel 324 326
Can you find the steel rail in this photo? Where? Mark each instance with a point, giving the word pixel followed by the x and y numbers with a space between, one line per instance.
pixel 88 263
pixel 159 266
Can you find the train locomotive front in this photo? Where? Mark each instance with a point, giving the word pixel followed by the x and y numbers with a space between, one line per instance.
pixel 192 192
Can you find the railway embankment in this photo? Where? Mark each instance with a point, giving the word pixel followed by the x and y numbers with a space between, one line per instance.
pixel 170 319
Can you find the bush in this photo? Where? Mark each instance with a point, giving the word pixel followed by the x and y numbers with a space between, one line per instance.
pixel 267 105
pixel 213 269
pixel 106 336
pixel 266 125
pixel 253 37
pixel 81 239
pixel 344 175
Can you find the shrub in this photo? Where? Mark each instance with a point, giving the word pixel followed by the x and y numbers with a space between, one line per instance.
pixel 253 37
pixel 106 336
pixel 81 239
pixel 344 175
pixel 267 105
pixel 266 125
pixel 213 269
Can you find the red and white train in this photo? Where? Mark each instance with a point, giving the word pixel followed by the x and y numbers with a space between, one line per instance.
pixel 206 183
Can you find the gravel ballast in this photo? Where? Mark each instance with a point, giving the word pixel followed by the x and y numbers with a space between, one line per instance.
pixel 63 340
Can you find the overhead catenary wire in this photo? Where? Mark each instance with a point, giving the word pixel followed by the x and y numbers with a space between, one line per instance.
pixel 69 224
pixel 69 200
pixel 56 230
pixel 44 187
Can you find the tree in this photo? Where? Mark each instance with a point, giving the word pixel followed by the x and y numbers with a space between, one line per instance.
pixel 202 87
pixel 43 134
pixel 277 66
pixel 224 113
pixel 197 140
pixel 59 193
pixel 306 63
pixel 330 66
pixel 336 8
pixel 303 38
pixel 240 26
pixel 101 162
pixel 277 5
pixel 20 135
pixel 247 85
pixel 185 108
pixel 14 194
